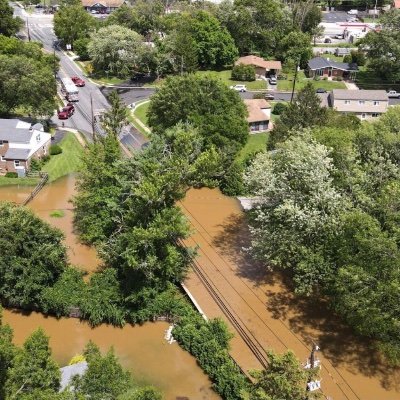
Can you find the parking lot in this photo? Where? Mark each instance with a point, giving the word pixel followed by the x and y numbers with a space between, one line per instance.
pixel 335 16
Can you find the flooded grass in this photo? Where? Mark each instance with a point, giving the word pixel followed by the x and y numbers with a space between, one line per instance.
pixel 18 181
pixel 57 214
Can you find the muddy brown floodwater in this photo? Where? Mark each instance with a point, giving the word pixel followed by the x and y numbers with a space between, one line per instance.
pixel 264 302
pixel 141 349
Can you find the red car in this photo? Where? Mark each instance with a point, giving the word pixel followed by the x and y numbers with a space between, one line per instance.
pixel 78 81
pixel 66 111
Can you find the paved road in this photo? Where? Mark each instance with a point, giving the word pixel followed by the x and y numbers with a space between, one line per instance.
pixel 41 29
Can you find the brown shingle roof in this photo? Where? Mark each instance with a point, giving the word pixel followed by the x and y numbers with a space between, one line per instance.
pixel 254 108
pixel 259 62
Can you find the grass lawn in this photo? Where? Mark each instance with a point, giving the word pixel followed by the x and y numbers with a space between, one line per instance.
pixel 109 81
pixel 286 84
pixel 256 142
pixel 225 76
pixel 18 181
pixel 141 112
pixel 332 57
pixel 68 161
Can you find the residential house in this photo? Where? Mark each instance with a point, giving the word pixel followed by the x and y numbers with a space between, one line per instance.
pixel 396 4
pixel 19 143
pixel 324 67
pixel 259 115
pixel 365 104
pixel 102 6
pixel 263 68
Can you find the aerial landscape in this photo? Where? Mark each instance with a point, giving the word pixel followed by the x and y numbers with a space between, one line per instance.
pixel 200 200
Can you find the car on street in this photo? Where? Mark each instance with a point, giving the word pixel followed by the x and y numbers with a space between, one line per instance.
pixel 78 81
pixel 272 80
pixel 352 12
pixel 66 112
pixel 393 94
pixel 239 88
pixel 352 19
pixel 339 36
pixel 269 96
pixel 327 40
pixel 320 90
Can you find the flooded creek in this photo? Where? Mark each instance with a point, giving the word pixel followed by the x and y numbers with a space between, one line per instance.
pixel 141 349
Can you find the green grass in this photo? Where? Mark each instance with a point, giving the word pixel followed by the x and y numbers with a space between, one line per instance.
pixel 344 44
pixel 332 57
pixel 225 76
pixel 57 214
pixel 18 181
pixel 110 81
pixel 286 84
pixel 141 112
pixel 68 161
pixel 256 142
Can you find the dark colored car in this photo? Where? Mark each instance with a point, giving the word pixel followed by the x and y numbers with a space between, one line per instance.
pixel 320 90
pixel 78 81
pixel 66 112
pixel 269 96
pixel 328 40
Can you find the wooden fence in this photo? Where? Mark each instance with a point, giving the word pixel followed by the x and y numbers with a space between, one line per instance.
pixel 44 178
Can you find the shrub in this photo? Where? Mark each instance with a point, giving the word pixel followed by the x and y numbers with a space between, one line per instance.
pixel 36 165
pixel 317 78
pixel 55 149
pixel 339 78
pixel 11 175
pixel 45 158
pixel 259 95
pixel 279 108
pixel 232 183
pixel 348 58
pixel 325 78
pixel 80 48
pixel 243 72
pixel 57 214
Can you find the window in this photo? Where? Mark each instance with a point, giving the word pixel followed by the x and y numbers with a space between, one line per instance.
pixel 363 115
pixel 361 102
pixel 38 137
pixel 376 103
pixel 16 163
pixel 1 143
pixel 375 115
pixel 347 102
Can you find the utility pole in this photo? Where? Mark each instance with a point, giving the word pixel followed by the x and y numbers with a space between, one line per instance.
pixel 294 81
pixel 27 29
pixel 93 122
pixel 54 63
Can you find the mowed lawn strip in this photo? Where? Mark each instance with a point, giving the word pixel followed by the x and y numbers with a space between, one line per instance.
pixel 286 84
pixel 255 143
pixel 225 76
pixel 141 112
pixel 18 181
pixel 68 161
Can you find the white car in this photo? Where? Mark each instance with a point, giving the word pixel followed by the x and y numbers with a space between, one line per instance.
pixel 239 88
pixel 393 94
pixel 352 12
pixel 272 80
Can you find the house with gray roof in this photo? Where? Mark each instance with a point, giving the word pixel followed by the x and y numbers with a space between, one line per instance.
pixel 19 143
pixel 324 67
pixel 365 104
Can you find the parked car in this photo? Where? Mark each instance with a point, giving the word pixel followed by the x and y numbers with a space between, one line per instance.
pixel 320 90
pixel 272 80
pixel 66 112
pixel 352 12
pixel 352 19
pixel 78 81
pixel 339 36
pixel 393 94
pixel 327 40
pixel 239 88
pixel 269 96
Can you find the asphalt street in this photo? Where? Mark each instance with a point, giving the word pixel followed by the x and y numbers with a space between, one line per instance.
pixel 40 28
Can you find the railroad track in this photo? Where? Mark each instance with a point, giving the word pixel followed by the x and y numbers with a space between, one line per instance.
pixel 251 341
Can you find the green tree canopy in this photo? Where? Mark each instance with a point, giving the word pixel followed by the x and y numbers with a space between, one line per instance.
pixel 72 22
pixel 33 368
pixel 8 24
pixel 116 50
pixel 217 112
pixel 33 256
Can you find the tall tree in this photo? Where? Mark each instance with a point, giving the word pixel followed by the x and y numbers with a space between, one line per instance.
pixel 33 256
pixel 116 118
pixel 33 368
pixel 8 24
pixel 116 50
pixel 72 22
pixel 7 353
pixel 209 105
pixel 305 111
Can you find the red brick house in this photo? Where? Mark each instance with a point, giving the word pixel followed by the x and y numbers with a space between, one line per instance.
pixel 19 143
pixel 324 67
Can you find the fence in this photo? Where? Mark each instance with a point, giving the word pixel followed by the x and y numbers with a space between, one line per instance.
pixel 44 178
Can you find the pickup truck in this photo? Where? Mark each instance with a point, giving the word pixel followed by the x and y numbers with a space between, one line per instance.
pixel 393 94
